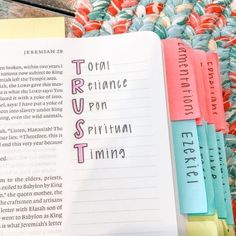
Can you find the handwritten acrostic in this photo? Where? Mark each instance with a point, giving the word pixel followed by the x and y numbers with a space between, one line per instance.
pixel 78 108
pixel 79 89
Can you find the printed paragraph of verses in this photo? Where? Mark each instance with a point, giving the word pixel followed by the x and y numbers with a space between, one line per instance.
pixel 31 202
pixel 30 92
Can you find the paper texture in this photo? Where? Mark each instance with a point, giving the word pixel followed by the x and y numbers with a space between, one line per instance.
pixel 198 72
pixel 196 228
pixel 181 82
pixel 216 172
pixel 202 58
pixel 53 27
pixel 189 169
pixel 214 83
pixel 225 177
pixel 84 138
pixel 202 137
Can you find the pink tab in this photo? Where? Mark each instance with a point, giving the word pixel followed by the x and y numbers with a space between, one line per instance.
pixel 200 86
pixel 200 60
pixel 202 56
pixel 181 84
pixel 214 83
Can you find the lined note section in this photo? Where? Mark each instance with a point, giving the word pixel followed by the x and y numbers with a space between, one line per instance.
pixel 85 145
pixel 120 171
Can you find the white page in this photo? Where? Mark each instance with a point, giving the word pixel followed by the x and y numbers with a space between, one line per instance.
pixel 44 190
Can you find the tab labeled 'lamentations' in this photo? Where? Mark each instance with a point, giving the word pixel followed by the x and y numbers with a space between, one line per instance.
pixel 181 83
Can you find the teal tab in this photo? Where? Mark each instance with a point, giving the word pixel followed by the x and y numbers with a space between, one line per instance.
pixel 191 186
pixel 215 172
pixel 202 138
pixel 225 177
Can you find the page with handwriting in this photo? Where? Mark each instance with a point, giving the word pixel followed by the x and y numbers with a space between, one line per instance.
pixel 84 138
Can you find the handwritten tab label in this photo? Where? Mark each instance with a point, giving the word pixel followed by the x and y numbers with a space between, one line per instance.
pixel 206 168
pixel 182 90
pixel 224 173
pixel 217 107
pixel 47 27
pixel 216 172
pixel 189 169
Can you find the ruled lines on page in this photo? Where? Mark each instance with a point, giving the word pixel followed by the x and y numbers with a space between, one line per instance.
pixel 84 141
pixel 123 185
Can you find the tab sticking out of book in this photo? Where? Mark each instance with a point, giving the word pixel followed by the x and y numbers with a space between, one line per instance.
pixel 216 107
pixel 181 83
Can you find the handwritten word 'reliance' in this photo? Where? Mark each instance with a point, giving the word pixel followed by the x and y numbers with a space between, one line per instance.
pixel 78 108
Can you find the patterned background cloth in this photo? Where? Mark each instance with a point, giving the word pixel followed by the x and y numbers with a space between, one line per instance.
pixel 203 24
pixel 209 25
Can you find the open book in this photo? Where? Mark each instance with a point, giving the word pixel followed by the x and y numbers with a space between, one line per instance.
pixel 84 138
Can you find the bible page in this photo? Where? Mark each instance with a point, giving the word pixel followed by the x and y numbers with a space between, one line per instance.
pixel 84 138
